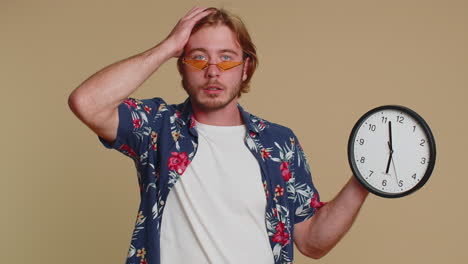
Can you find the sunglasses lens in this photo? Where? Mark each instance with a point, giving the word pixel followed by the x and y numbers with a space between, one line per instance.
pixel 199 64
pixel 226 65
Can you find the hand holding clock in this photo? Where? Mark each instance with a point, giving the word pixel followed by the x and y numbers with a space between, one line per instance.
pixel 372 134
pixel 416 151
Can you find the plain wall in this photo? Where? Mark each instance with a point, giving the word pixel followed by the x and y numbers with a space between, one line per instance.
pixel 67 199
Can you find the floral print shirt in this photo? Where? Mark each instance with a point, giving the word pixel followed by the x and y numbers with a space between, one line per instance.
pixel 162 140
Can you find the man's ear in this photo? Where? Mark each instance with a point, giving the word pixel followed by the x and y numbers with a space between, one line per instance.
pixel 180 66
pixel 245 70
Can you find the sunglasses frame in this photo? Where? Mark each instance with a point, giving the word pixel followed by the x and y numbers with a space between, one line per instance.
pixel 206 64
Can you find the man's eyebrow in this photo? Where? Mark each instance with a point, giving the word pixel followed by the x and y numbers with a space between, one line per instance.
pixel 197 49
pixel 206 51
pixel 229 51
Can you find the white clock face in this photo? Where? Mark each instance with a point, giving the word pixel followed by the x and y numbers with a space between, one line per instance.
pixel 391 151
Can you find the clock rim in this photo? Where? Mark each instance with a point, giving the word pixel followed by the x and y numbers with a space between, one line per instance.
pixel 430 140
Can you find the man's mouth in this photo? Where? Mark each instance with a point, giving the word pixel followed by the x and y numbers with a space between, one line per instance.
pixel 213 88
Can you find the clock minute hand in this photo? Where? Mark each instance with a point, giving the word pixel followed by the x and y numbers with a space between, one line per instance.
pixel 390 145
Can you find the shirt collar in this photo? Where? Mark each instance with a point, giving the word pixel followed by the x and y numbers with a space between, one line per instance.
pixel 186 117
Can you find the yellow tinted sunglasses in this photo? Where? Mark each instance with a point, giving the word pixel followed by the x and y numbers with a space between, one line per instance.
pixel 203 64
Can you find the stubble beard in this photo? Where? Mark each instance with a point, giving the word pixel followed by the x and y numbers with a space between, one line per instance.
pixel 211 102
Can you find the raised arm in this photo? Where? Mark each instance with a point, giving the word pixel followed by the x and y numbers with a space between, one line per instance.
pixel 316 236
pixel 96 100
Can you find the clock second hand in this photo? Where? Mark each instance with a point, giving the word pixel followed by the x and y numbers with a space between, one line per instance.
pixel 393 163
pixel 390 144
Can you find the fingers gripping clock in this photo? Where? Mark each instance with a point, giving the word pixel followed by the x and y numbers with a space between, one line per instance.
pixel 391 151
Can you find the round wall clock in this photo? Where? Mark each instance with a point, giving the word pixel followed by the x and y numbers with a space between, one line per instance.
pixel 391 151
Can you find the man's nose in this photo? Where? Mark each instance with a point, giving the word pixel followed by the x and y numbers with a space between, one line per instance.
pixel 212 70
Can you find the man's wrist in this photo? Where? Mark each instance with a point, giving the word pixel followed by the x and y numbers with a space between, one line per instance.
pixel 162 52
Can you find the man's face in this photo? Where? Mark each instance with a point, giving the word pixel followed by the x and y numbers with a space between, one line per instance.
pixel 213 88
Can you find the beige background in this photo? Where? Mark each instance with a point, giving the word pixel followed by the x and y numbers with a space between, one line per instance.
pixel 66 199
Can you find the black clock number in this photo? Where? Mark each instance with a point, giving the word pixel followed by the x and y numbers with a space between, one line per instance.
pixel 372 127
pixel 361 141
pixel 384 119
pixel 384 183
pixel 414 176
pixel 371 171
pixel 400 183
pixel 363 159
pixel 400 119
pixel 423 160
pixel 414 128
pixel 422 142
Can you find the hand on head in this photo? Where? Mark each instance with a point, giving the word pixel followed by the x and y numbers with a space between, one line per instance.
pixel 181 32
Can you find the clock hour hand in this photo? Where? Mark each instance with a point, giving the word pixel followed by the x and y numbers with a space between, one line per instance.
pixel 389 158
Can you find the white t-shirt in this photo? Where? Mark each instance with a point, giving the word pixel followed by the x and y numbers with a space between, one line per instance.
pixel 215 213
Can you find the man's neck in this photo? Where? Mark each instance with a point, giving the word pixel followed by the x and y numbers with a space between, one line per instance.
pixel 226 116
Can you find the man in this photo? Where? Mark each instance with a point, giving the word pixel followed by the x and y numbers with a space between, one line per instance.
pixel 232 187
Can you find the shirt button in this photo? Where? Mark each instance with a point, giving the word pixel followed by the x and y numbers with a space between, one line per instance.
pixel 161 202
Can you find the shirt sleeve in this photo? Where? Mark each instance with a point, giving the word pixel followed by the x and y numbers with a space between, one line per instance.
pixel 139 125
pixel 306 199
